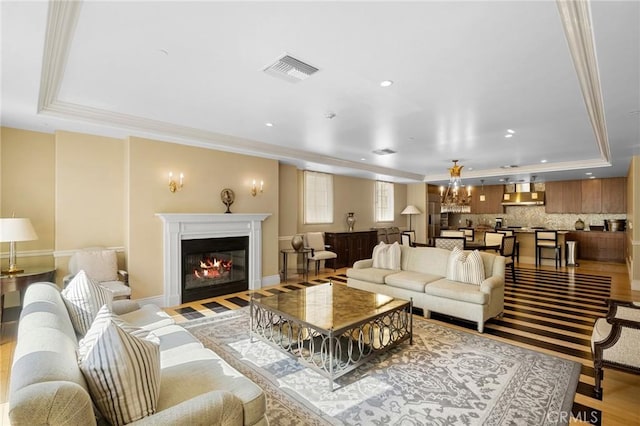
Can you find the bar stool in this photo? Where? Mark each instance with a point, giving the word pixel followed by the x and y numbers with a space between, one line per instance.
pixel 548 240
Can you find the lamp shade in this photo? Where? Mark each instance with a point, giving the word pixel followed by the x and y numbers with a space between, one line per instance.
pixel 411 209
pixel 17 229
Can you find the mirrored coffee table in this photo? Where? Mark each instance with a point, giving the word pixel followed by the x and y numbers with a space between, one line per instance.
pixel 331 328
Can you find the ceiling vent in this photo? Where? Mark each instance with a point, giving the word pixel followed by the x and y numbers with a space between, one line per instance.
pixel 290 69
pixel 384 151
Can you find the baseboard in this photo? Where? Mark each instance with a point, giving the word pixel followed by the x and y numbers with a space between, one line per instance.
pixel 270 280
pixel 155 300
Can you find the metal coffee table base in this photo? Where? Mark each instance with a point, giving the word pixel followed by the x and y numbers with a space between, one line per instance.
pixel 332 353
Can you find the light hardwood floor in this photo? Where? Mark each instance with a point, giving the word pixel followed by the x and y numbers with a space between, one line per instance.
pixel 621 391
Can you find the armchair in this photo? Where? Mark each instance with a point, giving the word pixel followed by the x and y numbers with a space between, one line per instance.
pixel 101 265
pixel 615 340
pixel 319 252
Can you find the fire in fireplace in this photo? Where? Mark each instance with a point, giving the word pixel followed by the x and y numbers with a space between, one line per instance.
pixel 214 266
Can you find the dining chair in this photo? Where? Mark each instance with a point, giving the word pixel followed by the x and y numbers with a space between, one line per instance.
pixel 507 250
pixel 469 233
pixel 493 239
pixel 450 242
pixel 452 233
pixel 547 240
pixel 510 232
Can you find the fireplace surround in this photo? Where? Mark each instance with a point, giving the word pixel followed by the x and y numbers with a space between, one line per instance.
pixel 192 226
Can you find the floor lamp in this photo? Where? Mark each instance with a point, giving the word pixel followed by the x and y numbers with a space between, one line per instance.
pixel 410 210
pixel 12 230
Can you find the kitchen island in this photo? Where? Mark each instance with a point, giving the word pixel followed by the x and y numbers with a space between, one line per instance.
pixel 526 238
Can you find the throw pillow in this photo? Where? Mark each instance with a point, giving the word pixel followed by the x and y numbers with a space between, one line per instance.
pixel 386 256
pixel 122 372
pixel 100 265
pixel 103 316
pixel 83 299
pixel 465 268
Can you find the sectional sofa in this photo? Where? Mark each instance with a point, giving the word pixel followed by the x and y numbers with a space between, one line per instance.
pixel 422 276
pixel 48 387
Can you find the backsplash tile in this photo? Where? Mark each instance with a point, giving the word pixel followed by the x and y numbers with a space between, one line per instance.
pixel 529 216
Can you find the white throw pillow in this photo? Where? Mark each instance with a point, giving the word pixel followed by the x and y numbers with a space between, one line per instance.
pixel 122 372
pixel 100 265
pixel 83 299
pixel 386 256
pixel 104 315
pixel 465 268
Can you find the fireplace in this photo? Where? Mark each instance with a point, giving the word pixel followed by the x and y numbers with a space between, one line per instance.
pixel 214 266
pixel 178 227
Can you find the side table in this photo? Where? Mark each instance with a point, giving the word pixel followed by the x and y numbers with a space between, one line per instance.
pixel 305 254
pixel 20 282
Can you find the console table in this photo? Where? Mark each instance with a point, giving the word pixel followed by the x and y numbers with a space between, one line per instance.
pixel 20 282
pixel 350 247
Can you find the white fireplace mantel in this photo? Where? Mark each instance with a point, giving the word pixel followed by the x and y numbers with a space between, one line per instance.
pixel 189 226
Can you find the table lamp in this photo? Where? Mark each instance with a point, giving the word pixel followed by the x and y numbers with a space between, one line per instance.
pixel 410 210
pixel 12 230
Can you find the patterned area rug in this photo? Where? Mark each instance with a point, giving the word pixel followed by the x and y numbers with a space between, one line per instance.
pixel 446 377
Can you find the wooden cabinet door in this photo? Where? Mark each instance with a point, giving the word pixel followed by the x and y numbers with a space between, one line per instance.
pixel 553 195
pixel 572 196
pixel 592 196
pixel 614 195
pixel 494 199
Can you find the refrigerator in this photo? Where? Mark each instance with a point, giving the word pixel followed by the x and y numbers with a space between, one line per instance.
pixel 433 219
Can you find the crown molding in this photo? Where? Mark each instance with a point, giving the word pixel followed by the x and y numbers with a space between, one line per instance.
pixel 62 22
pixel 577 24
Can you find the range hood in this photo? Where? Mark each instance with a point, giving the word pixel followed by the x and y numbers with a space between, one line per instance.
pixel 522 194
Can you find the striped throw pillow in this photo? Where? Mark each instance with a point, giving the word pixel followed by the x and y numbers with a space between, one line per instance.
pixel 386 256
pixel 83 298
pixel 122 371
pixel 104 315
pixel 465 268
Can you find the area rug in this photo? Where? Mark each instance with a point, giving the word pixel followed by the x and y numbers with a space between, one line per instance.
pixel 446 377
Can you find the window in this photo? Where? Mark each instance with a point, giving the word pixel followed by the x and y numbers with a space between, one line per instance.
pixel 318 197
pixel 384 202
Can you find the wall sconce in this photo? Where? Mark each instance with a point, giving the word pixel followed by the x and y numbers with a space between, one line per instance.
pixel 254 188
pixel 173 185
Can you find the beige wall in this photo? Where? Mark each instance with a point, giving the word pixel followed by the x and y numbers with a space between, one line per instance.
pixel 27 189
pixel 417 196
pixel 206 172
pixel 84 190
pixel 352 194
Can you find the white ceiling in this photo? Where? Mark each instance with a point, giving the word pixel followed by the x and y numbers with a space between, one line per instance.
pixel 463 73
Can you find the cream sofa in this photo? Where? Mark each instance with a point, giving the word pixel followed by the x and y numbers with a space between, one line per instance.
pixel 47 386
pixel 422 278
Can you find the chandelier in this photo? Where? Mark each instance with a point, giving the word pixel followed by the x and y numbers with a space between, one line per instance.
pixel 455 198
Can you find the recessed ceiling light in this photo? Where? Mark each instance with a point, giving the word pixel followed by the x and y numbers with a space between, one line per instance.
pixel 588 173
pixel 268 124
pixel 511 131
pixel 363 159
pixel 592 177
pixel 543 161
pixel 386 83
pixel 508 135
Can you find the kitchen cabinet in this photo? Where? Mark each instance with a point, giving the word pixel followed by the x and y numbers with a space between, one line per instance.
pixel 493 199
pixel 350 247
pixel 592 196
pixel 563 197
pixel 586 196
pixel 614 195
pixel 601 246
